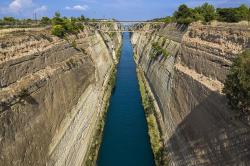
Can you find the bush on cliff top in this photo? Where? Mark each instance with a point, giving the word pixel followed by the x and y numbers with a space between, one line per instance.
pixel 237 84
pixel 233 14
pixel 61 26
pixel 45 21
pixel 58 30
pixel 207 13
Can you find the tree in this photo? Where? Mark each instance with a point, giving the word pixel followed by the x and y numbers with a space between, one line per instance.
pixel 207 12
pixel 183 12
pixel 237 84
pixel 9 20
pixel 242 13
pixel 69 25
pixel 57 14
pixel 57 20
pixel 233 14
pixel 182 15
pixel 82 18
pixel 61 26
pixel 186 15
pixel 226 14
pixel 45 20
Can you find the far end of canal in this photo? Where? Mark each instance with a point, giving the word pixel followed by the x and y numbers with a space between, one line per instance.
pixel 125 138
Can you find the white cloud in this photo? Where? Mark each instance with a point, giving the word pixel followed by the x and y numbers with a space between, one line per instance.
pixel 42 8
pixel 22 8
pixel 19 5
pixel 77 7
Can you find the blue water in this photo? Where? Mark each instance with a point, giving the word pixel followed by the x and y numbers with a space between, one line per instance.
pixel 125 140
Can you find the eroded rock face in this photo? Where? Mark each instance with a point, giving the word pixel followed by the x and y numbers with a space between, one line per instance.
pixel 198 126
pixel 51 95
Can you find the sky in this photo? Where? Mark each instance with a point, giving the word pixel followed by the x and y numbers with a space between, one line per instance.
pixel 117 9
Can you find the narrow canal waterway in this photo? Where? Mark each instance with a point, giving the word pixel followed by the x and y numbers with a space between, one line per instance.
pixel 125 140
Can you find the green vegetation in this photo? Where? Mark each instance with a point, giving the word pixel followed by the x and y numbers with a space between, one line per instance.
pixel 237 84
pixel 157 50
pixel 45 21
pixel 153 130
pixel 97 138
pixel 9 20
pixel 62 26
pixel 118 53
pixel 207 13
pixel 233 14
pixel 58 30
pixel 184 15
pixel 70 25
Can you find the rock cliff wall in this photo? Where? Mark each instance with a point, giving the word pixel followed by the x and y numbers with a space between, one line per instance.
pixel 51 94
pixel 198 126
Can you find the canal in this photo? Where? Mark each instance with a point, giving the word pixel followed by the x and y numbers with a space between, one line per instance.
pixel 125 139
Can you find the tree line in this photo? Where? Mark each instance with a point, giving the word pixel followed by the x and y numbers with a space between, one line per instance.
pixel 207 13
pixel 184 15
pixel 11 21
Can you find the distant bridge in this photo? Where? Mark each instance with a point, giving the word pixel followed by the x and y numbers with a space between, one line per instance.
pixel 125 26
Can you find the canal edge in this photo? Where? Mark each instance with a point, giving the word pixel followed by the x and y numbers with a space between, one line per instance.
pixel 93 151
pixel 154 120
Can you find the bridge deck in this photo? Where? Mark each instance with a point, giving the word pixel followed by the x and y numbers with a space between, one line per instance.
pixel 126 21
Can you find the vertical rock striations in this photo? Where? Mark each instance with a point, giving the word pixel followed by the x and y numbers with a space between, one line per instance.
pixel 51 95
pixel 198 127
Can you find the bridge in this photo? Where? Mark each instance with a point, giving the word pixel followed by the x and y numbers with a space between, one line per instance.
pixel 124 26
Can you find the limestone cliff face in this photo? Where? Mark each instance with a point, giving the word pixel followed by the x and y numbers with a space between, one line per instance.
pixel 51 95
pixel 198 126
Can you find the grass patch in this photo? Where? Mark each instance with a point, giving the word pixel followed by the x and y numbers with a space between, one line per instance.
pixel 118 53
pixel 157 50
pixel 153 129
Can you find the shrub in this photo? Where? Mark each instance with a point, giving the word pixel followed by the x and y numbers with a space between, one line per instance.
pixel 45 21
pixel 57 20
pixel 153 129
pixel 183 15
pixel 233 14
pixel 237 84
pixel 227 15
pixel 61 26
pixel 206 12
pixel 58 31
pixel 9 20
pixel 157 50
pixel 243 12
pixel 81 18
pixel 167 19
